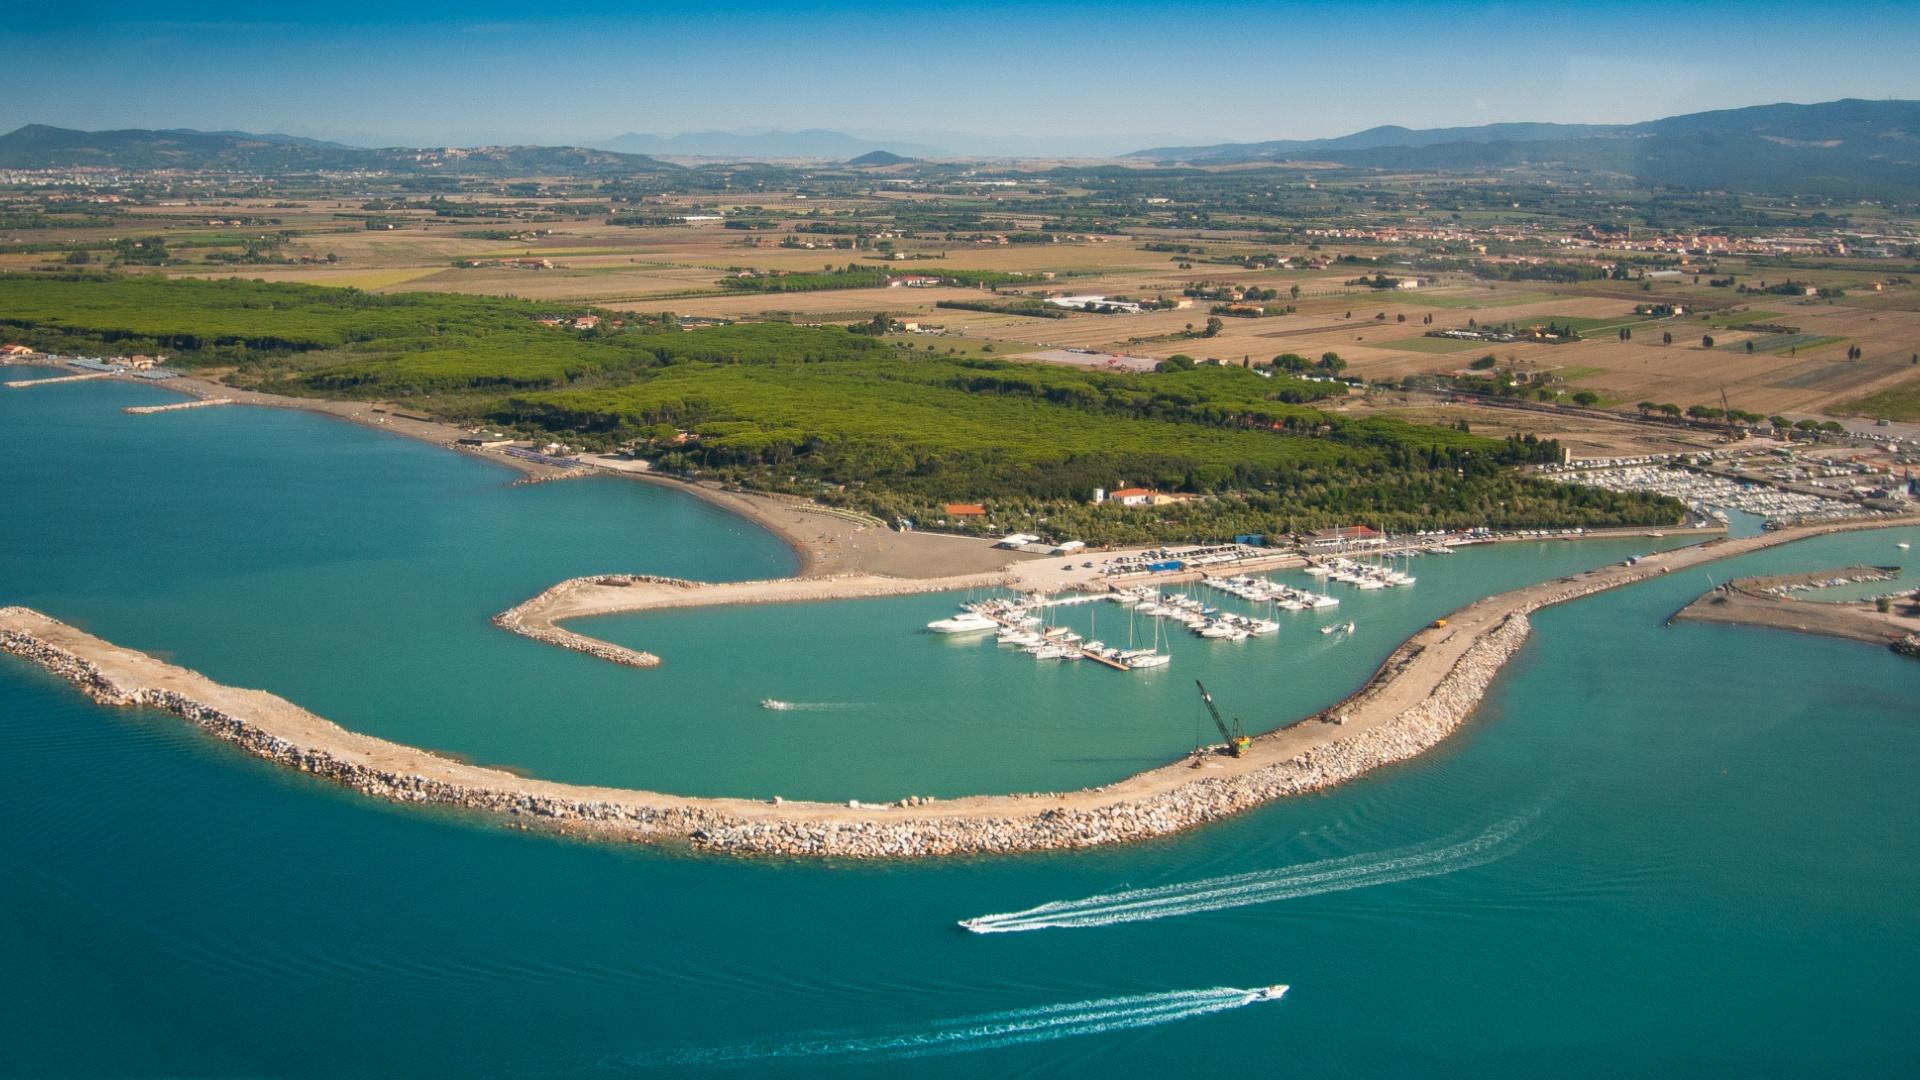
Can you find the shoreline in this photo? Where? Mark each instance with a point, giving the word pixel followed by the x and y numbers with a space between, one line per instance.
pixel 1427 688
pixel 824 543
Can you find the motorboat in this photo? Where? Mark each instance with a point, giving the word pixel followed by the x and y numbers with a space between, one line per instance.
pixel 967 622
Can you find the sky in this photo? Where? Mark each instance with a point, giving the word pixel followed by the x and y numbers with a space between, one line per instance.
pixel 1085 77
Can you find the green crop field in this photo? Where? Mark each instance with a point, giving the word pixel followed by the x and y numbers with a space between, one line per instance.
pixel 1902 402
pixel 1578 371
pixel 1783 342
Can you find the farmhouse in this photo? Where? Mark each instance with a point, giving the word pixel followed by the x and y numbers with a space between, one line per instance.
pixel 1136 496
pixel 1094 303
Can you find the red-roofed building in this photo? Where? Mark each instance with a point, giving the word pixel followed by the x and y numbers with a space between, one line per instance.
pixel 965 510
pixel 1351 536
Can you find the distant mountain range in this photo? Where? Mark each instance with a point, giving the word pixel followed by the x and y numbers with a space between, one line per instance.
pixel 37 146
pixel 1843 149
pixel 1850 148
pixel 813 143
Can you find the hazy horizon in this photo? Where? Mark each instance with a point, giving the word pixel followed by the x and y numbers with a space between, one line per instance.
pixel 1081 77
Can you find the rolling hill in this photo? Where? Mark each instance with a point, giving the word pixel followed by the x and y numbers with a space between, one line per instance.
pixel 1848 148
pixel 38 146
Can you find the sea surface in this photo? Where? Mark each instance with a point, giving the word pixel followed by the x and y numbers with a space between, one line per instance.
pixel 1656 850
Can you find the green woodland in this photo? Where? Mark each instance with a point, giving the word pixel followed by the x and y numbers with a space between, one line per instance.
pixel 850 419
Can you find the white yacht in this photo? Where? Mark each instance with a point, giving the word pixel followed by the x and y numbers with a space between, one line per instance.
pixel 967 622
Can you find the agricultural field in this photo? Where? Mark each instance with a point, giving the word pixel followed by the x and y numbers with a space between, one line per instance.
pixel 618 247
pixel 1898 402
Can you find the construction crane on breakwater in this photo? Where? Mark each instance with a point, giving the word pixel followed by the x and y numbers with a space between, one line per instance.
pixel 1235 738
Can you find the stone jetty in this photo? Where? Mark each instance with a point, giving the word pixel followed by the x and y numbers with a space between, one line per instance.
pixel 531 619
pixel 176 406
pixel 22 384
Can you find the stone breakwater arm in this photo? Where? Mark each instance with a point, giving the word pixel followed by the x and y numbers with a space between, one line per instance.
pixel 618 594
pixel 1425 691
pixel 1155 803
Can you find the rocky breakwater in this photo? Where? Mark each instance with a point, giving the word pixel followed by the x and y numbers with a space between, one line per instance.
pixel 1425 691
pixel 1152 804
pixel 529 618
pixel 1158 803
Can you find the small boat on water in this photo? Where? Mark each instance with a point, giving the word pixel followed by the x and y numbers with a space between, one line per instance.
pixel 1270 993
pixel 967 622
pixel 777 706
pixel 1903 545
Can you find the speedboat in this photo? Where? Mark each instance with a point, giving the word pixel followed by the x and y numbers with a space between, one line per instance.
pixel 1271 993
pixel 967 622
pixel 770 703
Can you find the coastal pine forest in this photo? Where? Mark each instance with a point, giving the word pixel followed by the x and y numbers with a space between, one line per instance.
pixel 842 416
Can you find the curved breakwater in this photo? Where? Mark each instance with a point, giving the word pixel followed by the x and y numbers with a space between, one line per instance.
pixel 1425 690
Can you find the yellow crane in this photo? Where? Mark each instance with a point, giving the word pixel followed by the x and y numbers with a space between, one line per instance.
pixel 1237 741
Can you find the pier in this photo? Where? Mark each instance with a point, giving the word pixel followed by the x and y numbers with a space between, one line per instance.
pixel 22 384
pixel 177 406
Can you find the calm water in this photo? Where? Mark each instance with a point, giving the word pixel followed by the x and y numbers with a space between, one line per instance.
pixel 1710 867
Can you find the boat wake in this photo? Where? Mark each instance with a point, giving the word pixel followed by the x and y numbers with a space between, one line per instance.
pixel 810 706
pixel 967 1034
pixel 1431 859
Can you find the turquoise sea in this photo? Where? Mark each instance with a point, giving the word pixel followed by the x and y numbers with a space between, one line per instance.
pixel 1655 851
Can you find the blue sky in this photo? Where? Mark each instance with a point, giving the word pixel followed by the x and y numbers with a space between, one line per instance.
pixel 1123 74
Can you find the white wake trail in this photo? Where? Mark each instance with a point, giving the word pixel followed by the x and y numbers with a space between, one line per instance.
pixel 967 1034
pixel 1264 886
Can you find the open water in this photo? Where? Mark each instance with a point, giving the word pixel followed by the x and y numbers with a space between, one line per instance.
pixel 1655 850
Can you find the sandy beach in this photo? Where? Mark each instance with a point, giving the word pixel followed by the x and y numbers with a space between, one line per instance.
pixel 826 543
